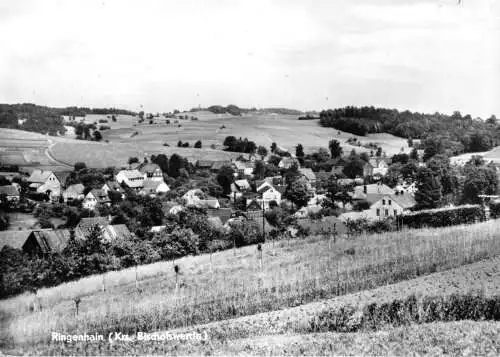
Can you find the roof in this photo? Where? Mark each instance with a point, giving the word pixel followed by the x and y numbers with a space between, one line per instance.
pixel 204 164
pixel 130 174
pixel 218 164
pixel 77 188
pixel 254 205
pixel 100 195
pixel 242 184
pixel 288 161
pixel 215 222
pixel 39 176
pixel 13 239
pixel 210 203
pixel 152 185
pixel 9 190
pixel 113 185
pixel 375 188
pixel 149 167
pixel 405 200
pixel 89 222
pixel 62 176
pixel 308 173
pixel 116 231
pixel 352 216
pixel 264 189
pixel 375 161
pixel 52 240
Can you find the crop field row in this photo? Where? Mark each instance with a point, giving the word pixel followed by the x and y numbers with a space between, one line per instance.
pixel 234 284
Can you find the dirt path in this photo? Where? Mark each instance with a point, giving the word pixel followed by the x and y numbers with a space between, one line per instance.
pixel 52 158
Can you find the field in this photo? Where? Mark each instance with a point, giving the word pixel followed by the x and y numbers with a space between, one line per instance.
pixel 128 138
pixel 293 276
pixel 492 155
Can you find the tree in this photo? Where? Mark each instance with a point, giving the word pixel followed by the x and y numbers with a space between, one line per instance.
pixel 274 146
pixel 298 192
pixel 353 167
pixel 492 120
pixel 133 160
pixel 262 151
pixel 299 152
pixel 175 163
pixel 179 144
pixel 197 144
pixel 414 154
pixel 429 190
pixel 410 142
pixel 379 152
pixel 225 178
pixel 97 135
pixel 335 148
pixel 160 160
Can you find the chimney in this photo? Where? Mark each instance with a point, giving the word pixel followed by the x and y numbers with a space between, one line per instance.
pixel 365 189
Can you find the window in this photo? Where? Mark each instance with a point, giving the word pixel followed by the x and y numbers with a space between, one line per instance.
pixel 386 212
pixel 378 211
pixel 390 202
pixel 395 212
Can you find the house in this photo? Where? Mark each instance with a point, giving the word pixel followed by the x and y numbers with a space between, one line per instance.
pixel 217 165
pixel 46 241
pixel 197 197
pixel 13 238
pixel 271 181
pixel 305 212
pixel 409 188
pixel 151 172
pixel 241 186
pixel 309 175
pixel 113 186
pixel 288 162
pixel 244 168
pixel 109 232
pixel 132 178
pixel 204 164
pixel 376 166
pixel 43 181
pixel 73 192
pixel 154 187
pixel 11 192
pixel 338 167
pixel 157 229
pixel 95 197
pixel 269 194
pixel 62 176
pixel 391 206
pixel 372 192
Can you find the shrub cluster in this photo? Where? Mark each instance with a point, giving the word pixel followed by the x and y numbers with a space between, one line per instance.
pixel 375 316
pixel 444 217
pixel 495 209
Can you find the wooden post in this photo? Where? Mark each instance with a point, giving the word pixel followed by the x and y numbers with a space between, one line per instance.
pixel 77 301
pixel 176 270
pixel 259 250
pixel 136 278
pixel 103 282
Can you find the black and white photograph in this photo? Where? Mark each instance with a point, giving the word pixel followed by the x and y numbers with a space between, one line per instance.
pixel 250 178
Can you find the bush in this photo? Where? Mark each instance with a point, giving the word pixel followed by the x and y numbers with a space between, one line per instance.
pixel 444 217
pixel 495 209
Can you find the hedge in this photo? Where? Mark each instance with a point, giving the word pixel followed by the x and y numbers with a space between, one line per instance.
pixel 494 209
pixel 444 217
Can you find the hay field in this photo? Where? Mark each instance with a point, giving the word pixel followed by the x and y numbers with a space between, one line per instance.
pixel 293 273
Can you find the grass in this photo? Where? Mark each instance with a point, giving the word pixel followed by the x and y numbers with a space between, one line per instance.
pixel 292 275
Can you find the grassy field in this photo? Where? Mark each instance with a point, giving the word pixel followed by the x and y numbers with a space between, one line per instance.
pixel 293 274
pixel 128 138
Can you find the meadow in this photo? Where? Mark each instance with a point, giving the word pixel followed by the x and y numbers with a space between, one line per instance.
pixel 231 284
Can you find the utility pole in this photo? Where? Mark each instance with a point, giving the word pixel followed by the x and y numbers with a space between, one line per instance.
pixel 263 222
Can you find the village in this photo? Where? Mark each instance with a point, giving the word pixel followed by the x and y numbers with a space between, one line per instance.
pixel 292 200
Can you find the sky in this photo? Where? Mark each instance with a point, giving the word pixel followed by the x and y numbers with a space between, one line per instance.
pixel 160 55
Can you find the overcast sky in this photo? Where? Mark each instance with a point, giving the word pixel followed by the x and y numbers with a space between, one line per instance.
pixel 422 55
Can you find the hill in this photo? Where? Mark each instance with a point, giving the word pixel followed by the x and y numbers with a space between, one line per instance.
pixel 233 284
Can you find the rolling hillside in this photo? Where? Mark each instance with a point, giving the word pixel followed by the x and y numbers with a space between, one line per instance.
pixel 302 277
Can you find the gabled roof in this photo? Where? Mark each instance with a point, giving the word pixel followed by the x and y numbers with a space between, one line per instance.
pixel 77 188
pixel 375 188
pixel 405 200
pixel 130 174
pixel 308 173
pixel 39 176
pixel 89 222
pixel 149 167
pixel 218 164
pixel 100 195
pixel 204 164
pixel 151 185
pixel 242 184
pixel 113 185
pixel 52 241
pixel 253 205
pixel 13 239
pixel 62 176
pixel 9 190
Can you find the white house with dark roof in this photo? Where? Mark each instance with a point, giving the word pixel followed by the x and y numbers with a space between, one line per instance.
pixel 74 192
pixel 43 181
pixel 95 197
pixel 154 187
pixel 132 178
pixel 151 172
